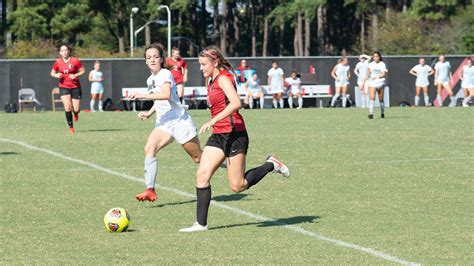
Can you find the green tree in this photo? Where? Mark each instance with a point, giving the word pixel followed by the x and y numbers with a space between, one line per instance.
pixel 71 20
pixel 433 9
pixel 29 22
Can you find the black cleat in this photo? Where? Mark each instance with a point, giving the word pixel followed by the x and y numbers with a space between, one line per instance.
pixel 382 115
pixel 371 116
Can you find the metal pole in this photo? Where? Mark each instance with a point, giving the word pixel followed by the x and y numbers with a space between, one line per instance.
pixel 131 34
pixel 169 27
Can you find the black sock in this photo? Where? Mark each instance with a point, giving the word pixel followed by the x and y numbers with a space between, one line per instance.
pixel 203 201
pixel 181 99
pixel 253 176
pixel 69 118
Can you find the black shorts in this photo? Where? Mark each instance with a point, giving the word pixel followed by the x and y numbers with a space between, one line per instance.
pixel 76 93
pixel 231 143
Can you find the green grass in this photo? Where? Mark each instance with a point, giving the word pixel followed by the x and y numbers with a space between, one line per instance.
pixel 402 186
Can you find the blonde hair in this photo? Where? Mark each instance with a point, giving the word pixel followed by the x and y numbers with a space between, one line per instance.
pixel 215 55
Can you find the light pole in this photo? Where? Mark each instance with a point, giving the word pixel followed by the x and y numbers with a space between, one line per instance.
pixel 162 22
pixel 169 27
pixel 134 11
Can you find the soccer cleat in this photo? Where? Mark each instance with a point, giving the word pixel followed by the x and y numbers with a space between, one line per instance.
pixel 75 116
pixel 71 130
pixel 279 167
pixel 196 227
pixel 382 115
pixel 148 195
pixel 371 116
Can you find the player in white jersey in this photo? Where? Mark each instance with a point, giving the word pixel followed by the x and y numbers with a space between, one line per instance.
pixel 361 72
pixel 172 120
pixel 443 77
pixel 422 72
pixel 294 89
pixel 276 83
pixel 341 75
pixel 253 91
pixel 376 74
pixel 467 84
pixel 97 89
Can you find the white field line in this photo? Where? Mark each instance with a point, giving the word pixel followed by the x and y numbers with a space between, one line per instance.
pixel 293 228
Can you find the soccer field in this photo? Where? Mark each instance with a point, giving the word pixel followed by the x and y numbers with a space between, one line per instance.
pixel 382 191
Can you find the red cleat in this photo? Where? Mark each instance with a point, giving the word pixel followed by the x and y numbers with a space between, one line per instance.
pixel 71 130
pixel 75 116
pixel 148 195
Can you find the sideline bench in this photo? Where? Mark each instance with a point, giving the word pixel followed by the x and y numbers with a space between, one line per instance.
pixel 128 91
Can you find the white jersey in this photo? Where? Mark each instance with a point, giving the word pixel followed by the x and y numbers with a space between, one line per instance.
pixel 275 80
pixel 96 86
pixel 363 68
pixel 167 111
pixel 467 77
pixel 376 69
pixel 294 84
pixel 253 86
pixel 443 71
pixel 341 73
pixel 422 73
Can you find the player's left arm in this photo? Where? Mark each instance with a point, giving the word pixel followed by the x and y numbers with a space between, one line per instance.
pixel 185 74
pixel 349 73
pixel 146 115
pixel 78 74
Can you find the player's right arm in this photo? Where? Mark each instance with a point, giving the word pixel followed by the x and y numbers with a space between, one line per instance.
pixel 412 71
pixel 356 70
pixel 146 115
pixel 333 72
pixel 54 72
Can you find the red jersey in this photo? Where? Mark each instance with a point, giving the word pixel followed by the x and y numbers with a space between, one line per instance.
pixel 242 73
pixel 177 69
pixel 217 102
pixel 65 68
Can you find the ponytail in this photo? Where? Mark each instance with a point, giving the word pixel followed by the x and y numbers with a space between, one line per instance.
pixel 215 55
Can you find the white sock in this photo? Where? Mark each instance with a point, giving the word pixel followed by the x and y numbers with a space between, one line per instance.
pixel 251 102
pixel 427 100
pixel 453 100
pixel 290 101
pixel 281 103
pixel 466 100
pixel 275 103
pixel 371 106
pixel 100 105
pixel 300 102
pixel 363 100
pixel 262 102
pixel 334 98
pixel 382 107
pixel 92 105
pixel 151 169
pixel 344 101
pixel 417 100
pixel 440 100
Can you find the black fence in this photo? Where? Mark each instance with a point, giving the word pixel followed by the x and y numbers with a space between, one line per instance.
pixel 121 73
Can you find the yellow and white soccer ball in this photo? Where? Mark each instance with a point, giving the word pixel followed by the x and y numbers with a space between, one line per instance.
pixel 116 220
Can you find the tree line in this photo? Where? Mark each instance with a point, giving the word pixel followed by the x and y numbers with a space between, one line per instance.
pixel 101 28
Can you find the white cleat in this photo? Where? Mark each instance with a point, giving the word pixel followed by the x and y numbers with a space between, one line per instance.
pixel 279 167
pixel 196 227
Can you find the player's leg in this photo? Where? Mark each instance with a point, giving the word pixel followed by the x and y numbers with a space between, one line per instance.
pixel 67 104
pixel 380 91
pixel 275 100
pixel 101 102
pixel 372 102
pixel 439 87
pixel 344 93
pixel 157 140
pixel 261 98
pixel 76 95
pixel 250 100
pixel 193 148
pixel 180 90
pixel 468 96
pixel 417 95
pixel 290 100
pixel 363 94
pixel 280 99
pixel 448 89
pixel 92 102
pixel 427 97
pixel 336 96
pixel 300 100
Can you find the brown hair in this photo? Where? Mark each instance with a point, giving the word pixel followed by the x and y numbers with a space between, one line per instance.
pixel 215 55
pixel 161 51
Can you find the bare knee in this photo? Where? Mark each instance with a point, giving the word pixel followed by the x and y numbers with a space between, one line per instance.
pixel 237 188
pixel 149 150
pixel 202 177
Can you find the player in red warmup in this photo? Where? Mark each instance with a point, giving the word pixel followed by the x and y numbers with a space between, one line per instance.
pixel 229 140
pixel 67 69
pixel 179 69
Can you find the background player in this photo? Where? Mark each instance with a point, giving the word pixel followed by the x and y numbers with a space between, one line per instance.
pixel 97 88
pixel 467 84
pixel 172 120
pixel 377 73
pixel 254 91
pixel 179 69
pixel 67 69
pixel 341 75
pixel 422 72
pixel 361 72
pixel 294 89
pixel 276 78
pixel 443 77
pixel 229 139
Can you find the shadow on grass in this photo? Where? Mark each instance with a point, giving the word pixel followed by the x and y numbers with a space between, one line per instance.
pixel 104 130
pixel 9 153
pixel 221 198
pixel 131 231
pixel 275 222
pixel 397 117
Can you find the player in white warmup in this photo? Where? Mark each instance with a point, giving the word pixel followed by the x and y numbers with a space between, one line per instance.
pixel 294 90
pixel 341 75
pixel 276 82
pixel 443 77
pixel 253 91
pixel 97 88
pixel 467 84
pixel 377 74
pixel 361 72
pixel 422 72
pixel 172 120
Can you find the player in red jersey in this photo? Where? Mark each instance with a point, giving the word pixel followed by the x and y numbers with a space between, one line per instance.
pixel 229 140
pixel 243 66
pixel 179 69
pixel 67 69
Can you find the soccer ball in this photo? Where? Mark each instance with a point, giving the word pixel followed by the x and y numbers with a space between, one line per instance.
pixel 116 220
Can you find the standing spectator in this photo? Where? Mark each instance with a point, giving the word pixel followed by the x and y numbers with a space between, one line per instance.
pixel 341 75
pixel 243 66
pixel 422 72
pixel 67 69
pixel 294 89
pixel 361 73
pixel 443 77
pixel 253 91
pixel 377 73
pixel 97 89
pixel 467 84
pixel 179 69
pixel 276 78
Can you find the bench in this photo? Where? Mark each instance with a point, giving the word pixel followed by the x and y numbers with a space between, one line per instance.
pixel 128 91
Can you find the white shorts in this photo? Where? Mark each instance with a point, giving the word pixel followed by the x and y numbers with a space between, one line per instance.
pixel 253 92
pixel 182 130
pixel 97 88
pixel 294 91
pixel 275 89
pixel 466 84
pixel 443 82
pixel 341 83
pixel 364 84
pixel 377 83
